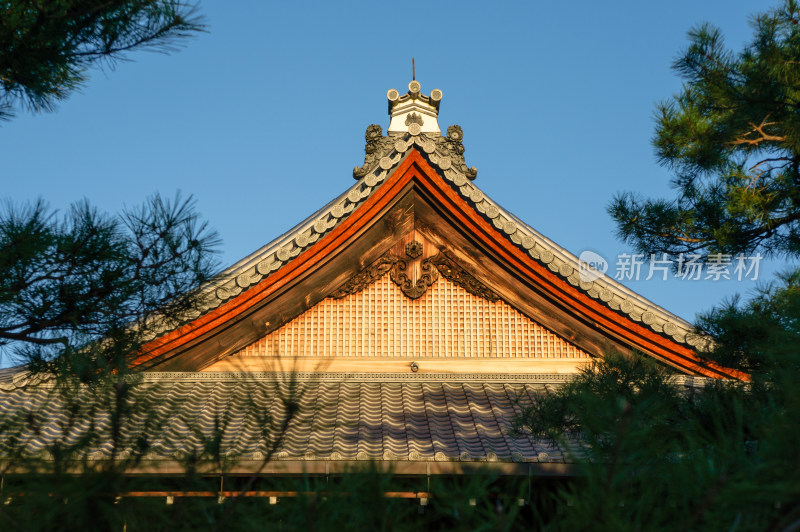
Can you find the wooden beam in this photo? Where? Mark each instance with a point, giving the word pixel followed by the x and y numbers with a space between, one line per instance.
pixel 247 468
pixel 366 365
pixel 261 493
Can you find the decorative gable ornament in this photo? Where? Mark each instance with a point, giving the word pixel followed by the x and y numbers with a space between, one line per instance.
pixel 414 112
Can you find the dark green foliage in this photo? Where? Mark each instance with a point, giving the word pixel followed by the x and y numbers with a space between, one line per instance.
pixel 68 282
pixel 732 137
pixel 51 436
pixel 723 457
pixel 47 47
pixel 355 502
pixel 760 337
pixel 656 456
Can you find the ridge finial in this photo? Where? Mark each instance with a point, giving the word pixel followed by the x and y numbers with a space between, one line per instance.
pixel 414 112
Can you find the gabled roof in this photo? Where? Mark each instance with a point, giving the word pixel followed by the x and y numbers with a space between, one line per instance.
pixel 433 167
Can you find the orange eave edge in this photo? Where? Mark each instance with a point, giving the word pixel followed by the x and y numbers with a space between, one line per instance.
pixel 415 167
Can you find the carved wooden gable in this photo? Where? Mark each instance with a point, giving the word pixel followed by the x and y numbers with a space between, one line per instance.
pixel 415 302
pixel 445 321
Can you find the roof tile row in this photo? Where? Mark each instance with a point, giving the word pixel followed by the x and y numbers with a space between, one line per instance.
pixel 344 420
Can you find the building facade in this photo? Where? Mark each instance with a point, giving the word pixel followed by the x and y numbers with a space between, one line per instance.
pixel 407 322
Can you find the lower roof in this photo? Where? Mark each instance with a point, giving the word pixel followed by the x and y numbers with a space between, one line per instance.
pixel 340 419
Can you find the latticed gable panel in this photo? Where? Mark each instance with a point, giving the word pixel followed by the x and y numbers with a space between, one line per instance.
pixel 446 321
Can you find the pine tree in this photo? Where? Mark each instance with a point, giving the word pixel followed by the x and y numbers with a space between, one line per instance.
pixel 79 293
pixel 732 138
pixel 47 47
pixel 653 455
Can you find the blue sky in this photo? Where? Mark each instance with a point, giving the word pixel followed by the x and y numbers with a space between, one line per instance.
pixel 262 118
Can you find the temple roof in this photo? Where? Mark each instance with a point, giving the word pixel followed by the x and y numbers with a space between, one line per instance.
pixel 386 155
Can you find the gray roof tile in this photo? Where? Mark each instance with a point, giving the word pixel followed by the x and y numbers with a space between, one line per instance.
pixel 337 420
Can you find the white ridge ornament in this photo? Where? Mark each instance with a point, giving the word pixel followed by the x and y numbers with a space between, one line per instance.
pixel 414 112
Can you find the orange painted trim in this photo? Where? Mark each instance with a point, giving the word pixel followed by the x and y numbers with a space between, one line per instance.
pixel 299 265
pixel 641 337
pixel 416 168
